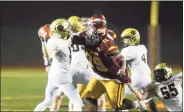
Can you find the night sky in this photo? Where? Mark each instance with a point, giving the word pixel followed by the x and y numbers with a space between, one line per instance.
pixel 21 20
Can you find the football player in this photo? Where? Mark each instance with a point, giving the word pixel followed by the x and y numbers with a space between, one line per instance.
pixel 106 61
pixel 57 48
pixel 99 21
pixel 44 34
pixel 80 69
pixel 136 57
pixel 166 86
pixel 45 31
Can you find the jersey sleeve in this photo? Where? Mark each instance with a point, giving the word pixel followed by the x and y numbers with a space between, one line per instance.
pixel 177 76
pixel 150 88
pixel 46 59
pixel 112 34
pixel 114 53
pixel 128 53
pixel 51 47
pixel 112 48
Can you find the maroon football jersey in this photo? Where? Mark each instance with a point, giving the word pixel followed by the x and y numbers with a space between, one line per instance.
pixel 99 57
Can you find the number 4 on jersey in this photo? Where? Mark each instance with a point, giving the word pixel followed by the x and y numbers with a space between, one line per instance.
pixel 143 57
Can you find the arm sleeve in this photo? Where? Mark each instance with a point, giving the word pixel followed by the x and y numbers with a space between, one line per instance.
pixel 150 89
pixel 127 53
pixel 51 47
pixel 177 75
pixel 112 48
pixel 117 58
pixel 47 61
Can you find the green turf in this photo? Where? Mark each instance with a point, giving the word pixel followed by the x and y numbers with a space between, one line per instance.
pixel 23 89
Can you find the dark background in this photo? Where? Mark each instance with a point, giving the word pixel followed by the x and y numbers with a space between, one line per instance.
pixel 20 22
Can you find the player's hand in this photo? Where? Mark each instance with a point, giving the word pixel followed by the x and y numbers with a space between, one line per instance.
pixel 121 73
pixel 142 106
pixel 47 68
pixel 43 40
pixel 123 76
pixel 125 79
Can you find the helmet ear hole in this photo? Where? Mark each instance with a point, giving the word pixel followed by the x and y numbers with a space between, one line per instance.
pixel 134 39
pixel 60 28
pixel 133 32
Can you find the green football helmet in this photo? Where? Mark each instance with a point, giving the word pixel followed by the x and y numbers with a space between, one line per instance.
pixel 162 72
pixel 61 26
pixel 130 37
pixel 76 24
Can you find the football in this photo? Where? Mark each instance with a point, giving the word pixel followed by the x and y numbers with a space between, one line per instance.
pixel 44 32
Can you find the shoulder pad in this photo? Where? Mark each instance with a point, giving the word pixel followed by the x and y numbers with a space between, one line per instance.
pixel 112 34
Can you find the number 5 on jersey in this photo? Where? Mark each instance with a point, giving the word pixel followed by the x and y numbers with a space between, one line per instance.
pixel 168 93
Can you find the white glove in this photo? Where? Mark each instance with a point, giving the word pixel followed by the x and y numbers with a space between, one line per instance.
pixel 141 105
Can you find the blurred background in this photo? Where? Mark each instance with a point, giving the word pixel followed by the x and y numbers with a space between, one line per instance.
pixel 21 47
pixel 20 22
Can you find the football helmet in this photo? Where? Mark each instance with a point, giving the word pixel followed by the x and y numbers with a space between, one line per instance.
pixel 76 24
pixel 130 37
pixel 94 36
pixel 98 21
pixel 61 26
pixel 162 72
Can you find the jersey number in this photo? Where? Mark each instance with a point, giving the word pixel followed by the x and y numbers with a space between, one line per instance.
pixel 165 92
pixel 76 47
pixel 143 57
pixel 98 63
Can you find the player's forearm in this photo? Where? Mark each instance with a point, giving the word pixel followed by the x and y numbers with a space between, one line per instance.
pixel 47 61
pixel 120 62
pixel 122 73
pixel 147 94
pixel 144 96
pixel 137 94
pixel 45 54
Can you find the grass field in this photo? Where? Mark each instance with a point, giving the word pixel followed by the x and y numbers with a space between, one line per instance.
pixel 23 88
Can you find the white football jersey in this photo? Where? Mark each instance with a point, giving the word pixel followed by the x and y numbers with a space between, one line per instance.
pixel 58 49
pixel 169 92
pixel 78 53
pixel 136 57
